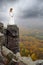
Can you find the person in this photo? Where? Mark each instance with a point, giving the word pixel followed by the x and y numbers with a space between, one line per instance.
pixel 11 16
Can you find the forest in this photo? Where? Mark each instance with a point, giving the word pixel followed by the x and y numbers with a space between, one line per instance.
pixel 31 44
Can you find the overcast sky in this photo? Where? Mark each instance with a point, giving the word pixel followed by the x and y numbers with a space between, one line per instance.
pixel 26 12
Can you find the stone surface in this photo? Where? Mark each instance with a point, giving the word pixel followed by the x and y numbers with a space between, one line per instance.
pixel 1 27
pixel 12 38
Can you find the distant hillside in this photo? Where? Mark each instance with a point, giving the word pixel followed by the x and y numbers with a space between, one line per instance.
pixel 26 30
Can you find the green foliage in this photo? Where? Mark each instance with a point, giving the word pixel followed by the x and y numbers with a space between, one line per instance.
pixel 24 52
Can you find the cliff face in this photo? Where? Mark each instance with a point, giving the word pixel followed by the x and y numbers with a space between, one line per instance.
pixel 1 27
pixel 9 38
pixel 12 35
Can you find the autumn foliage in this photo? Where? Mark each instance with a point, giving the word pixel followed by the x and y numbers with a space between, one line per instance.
pixel 32 44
